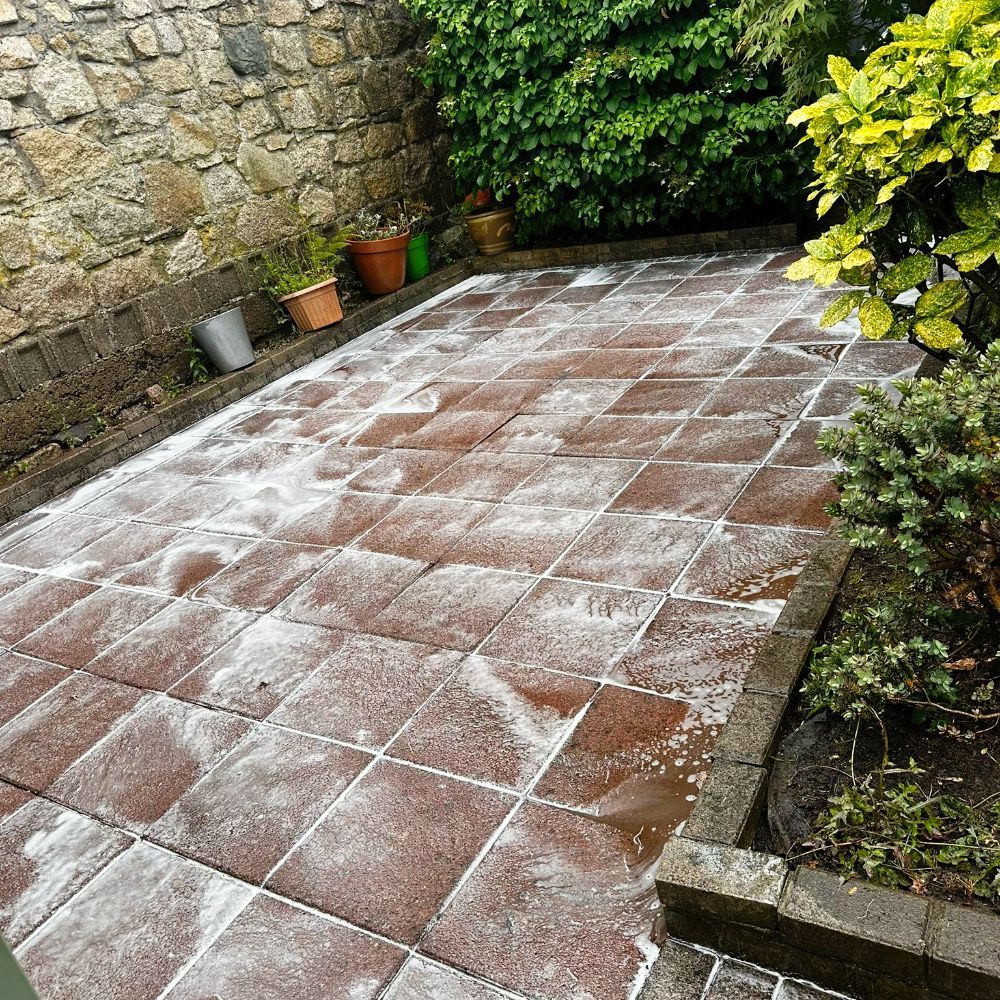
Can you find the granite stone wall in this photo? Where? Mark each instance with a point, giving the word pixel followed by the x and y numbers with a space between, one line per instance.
pixel 147 145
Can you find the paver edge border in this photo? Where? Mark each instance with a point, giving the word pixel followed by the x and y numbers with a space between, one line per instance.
pixel 718 892
pixel 74 467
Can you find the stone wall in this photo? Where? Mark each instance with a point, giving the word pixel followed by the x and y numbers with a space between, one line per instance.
pixel 147 144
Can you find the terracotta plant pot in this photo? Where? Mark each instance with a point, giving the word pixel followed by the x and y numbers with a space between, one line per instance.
pixel 492 232
pixel 381 264
pixel 314 307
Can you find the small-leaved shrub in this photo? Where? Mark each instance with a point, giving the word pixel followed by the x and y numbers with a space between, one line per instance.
pixel 302 263
pixel 907 150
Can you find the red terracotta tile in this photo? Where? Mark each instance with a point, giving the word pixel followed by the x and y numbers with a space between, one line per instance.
pixel 185 564
pixel 424 528
pixel 799 330
pixel 576 337
pixel 721 284
pixel 333 467
pixel 147 762
pixel 248 812
pixel 133 929
pixel 422 980
pixel 621 437
pixel 311 394
pixel 803 493
pixel 420 367
pixel 31 606
pixel 622 310
pixel 260 667
pixel 11 579
pixel 643 552
pixel 767 281
pixel 403 471
pixel 458 430
pixel 508 340
pixel 792 360
pixel 23 680
pixel 777 398
pixel 351 589
pixel 196 504
pixel 683 489
pixel 609 363
pixel 443 396
pixel 799 448
pixel 636 760
pixel 837 399
pixel 520 539
pixel 505 395
pixel 338 520
pixel 582 294
pixel 169 645
pixel 268 460
pixel 773 306
pixel 11 799
pixel 551 868
pixel 550 314
pixel 756 566
pixel 494 721
pixel 700 362
pixel 260 511
pixel 536 434
pixel 400 834
pixel 478 367
pixel 663 398
pixel 117 552
pixel 579 483
pixel 88 627
pixel 576 627
pixel 730 332
pixel 451 606
pixel 367 689
pixel 22 528
pixel 295 425
pixel 639 336
pixel 55 541
pixel 37 746
pixel 49 854
pixel 864 360
pixel 134 496
pixel 728 440
pixel 697 652
pixel 262 577
pixel 485 476
pixel 388 430
pixel 586 396
pixel 204 458
pixel 275 950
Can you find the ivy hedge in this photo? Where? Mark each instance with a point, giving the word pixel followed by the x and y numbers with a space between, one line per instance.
pixel 607 114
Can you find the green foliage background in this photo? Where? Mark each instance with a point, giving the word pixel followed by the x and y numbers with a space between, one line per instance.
pixel 607 114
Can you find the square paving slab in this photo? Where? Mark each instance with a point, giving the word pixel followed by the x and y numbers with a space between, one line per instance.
pixel 390 681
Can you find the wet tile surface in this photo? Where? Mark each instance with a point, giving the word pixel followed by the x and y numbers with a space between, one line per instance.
pixel 431 638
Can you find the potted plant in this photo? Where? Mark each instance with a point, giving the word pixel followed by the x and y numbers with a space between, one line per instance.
pixel 225 340
pixel 302 277
pixel 378 251
pixel 491 225
pixel 418 262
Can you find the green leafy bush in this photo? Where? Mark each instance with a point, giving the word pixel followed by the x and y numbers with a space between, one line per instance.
pixel 302 263
pixel 606 114
pixel 907 148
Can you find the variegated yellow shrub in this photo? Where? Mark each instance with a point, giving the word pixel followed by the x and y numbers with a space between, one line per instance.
pixel 908 156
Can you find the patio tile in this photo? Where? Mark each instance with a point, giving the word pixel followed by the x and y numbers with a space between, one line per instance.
pixel 133 928
pixel 804 493
pixel 864 360
pixel 262 577
pixel 403 471
pixel 117 552
pixel 520 539
pixel 452 606
pixel 24 680
pixel 252 807
pixel 683 489
pixel 743 331
pixel 587 396
pixel 351 589
pixel 31 606
pixel 268 460
pixel 505 394
pixel 338 521
pixel 254 672
pixel 623 310
pixel 485 476
pixel 11 799
pixel 494 721
pixel 37 746
pixel 727 440
pixel 700 362
pixel 647 336
pixel 723 283
pixel 147 762
pixel 578 483
pixel 643 552
pixel 609 363
pixel 276 950
pixel 577 336
pixel 260 511
pixel 551 868
pixel 401 834
pixel 333 467
pixel 773 306
pixel 773 398
pixel 133 497
pixel 11 579
pixel 535 434
pixel 697 652
pixel 806 330
pixel 421 980
pixel 367 690
pixel 576 627
pixel 439 396
pixel 756 566
pixel 89 626
pixel 621 437
pixel 458 430
pixel 837 399
pixel 636 760
pixel 185 563
pixel 388 430
pixel 663 398
pixel 799 449
pixel 424 528
pixel 478 367
pixel 204 458
pixel 792 360
pixel 192 507
pixel 49 854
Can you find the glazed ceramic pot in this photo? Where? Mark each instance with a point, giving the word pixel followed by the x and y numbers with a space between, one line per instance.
pixel 418 262
pixel 492 232
pixel 225 340
pixel 314 307
pixel 381 264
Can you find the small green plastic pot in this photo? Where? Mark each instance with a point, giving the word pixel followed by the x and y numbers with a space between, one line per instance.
pixel 418 263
